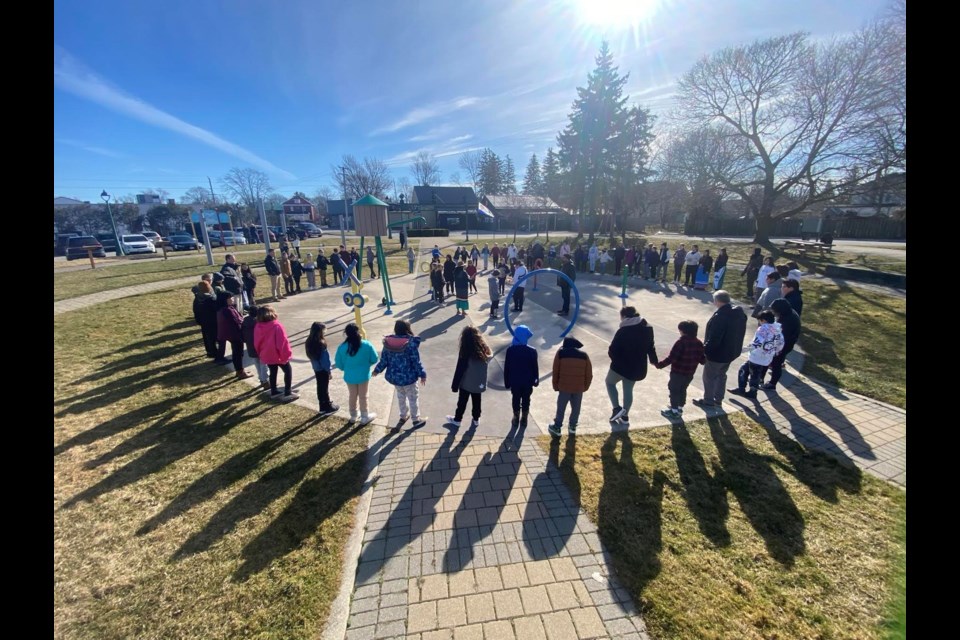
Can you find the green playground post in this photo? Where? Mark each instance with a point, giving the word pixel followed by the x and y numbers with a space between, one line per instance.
pixel 623 283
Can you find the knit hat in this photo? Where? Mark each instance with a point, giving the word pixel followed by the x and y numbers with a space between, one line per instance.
pixel 571 343
pixel 217 277
pixel 521 334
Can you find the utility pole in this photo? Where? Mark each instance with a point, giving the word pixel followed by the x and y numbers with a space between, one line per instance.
pixel 343 182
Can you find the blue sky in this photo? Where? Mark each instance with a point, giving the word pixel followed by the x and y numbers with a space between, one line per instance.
pixel 161 95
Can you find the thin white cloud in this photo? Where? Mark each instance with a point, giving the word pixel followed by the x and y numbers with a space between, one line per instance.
pixel 406 156
pixel 92 149
pixel 72 76
pixel 422 114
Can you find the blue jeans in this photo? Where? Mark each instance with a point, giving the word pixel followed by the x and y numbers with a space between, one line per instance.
pixel 612 379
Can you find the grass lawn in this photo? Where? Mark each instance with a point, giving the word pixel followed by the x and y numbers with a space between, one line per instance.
pixel 855 339
pixel 721 529
pixel 185 504
pixel 70 284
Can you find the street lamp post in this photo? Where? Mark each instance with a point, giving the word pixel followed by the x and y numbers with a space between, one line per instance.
pixel 113 225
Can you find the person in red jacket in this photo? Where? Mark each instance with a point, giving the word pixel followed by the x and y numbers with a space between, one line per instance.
pixel 685 356
pixel 273 347
pixel 228 330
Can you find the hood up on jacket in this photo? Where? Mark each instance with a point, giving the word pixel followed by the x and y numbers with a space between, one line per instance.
pixel 781 306
pixel 521 334
pixel 629 322
pixel 399 343
pixel 571 343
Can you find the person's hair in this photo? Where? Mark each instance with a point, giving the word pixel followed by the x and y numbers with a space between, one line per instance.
pixel 496 273
pixel 793 265
pixel 266 313
pixel 207 277
pixel 629 312
pixel 696 246
pixel 228 256
pixel 223 299
pixel 723 250
pixel 767 316
pixel 244 267
pixel 773 275
pixel 688 328
pixel 353 339
pixel 316 342
pixel 768 260
pixel 402 328
pixel 472 345
pixel 783 270
pixel 756 251
pixel 790 282
pixel 720 295
pixel 204 287
pixel 253 310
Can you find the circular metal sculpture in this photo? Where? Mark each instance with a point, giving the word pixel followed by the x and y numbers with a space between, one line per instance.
pixel 535 272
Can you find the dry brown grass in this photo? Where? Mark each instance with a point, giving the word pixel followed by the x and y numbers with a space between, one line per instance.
pixel 185 505
pixel 721 529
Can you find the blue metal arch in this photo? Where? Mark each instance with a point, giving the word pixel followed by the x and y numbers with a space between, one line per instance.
pixel 530 274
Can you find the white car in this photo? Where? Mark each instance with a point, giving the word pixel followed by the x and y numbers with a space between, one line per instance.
pixel 136 243
pixel 152 236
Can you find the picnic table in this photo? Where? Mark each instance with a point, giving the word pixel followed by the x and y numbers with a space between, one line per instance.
pixel 802 247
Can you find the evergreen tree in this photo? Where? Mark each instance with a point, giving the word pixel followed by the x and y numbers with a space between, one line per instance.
pixel 508 179
pixel 588 145
pixel 491 174
pixel 550 177
pixel 532 180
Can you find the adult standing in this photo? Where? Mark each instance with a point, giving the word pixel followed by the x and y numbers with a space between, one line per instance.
pixel 567 269
pixel 790 289
pixel 679 257
pixel 706 264
pixel 495 254
pixel 752 270
pixel 273 272
pixel 618 255
pixel 233 281
pixel 761 282
pixel 631 349
pixel 593 255
pixel 790 327
pixel 403 239
pixel 229 322
pixel 771 293
pixel 691 261
pixel 512 252
pixel 664 262
pixel 296 243
pixel 722 344
pixel 720 269
pixel 519 273
pixel 205 313
pixel 322 264
pixel 652 257
pixel 371 256
pixel 449 266
pixel 287 272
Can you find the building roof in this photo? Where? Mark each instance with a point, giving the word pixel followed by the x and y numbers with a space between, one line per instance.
pixel 451 196
pixel 61 201
pixel 298 200
pixel 368 200
pixel 513 202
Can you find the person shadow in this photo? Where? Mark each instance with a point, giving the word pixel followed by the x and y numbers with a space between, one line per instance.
pixel 548 524
pixel 703 491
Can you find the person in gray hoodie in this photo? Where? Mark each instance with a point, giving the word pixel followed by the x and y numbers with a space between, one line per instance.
pixel 771 293
pixel 494 283
pixel 470 376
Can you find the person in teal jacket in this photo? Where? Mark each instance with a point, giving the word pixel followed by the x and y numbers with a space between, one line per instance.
pixel 355 356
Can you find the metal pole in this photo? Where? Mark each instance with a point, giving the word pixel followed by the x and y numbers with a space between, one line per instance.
pixel 343 178
pixel 263 227
pixel 206 238
pixel 113 225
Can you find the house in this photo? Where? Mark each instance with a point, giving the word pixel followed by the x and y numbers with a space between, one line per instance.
pixel 527 212
pixel 446 207
pixel 63 203
pixel 335 210
pixel 299 208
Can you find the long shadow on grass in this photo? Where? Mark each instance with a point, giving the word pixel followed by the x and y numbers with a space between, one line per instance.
pixel 629 513
pixel 258 495
pixel 704 493
pixel 760 493
pixel 826 471
pixel 167 441
pixel 231 471
pixel 161 340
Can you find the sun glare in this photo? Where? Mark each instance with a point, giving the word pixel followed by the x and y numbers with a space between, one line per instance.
pixel 615 13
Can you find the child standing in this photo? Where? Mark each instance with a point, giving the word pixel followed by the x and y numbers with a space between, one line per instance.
pixel 400 357
pixel 228 330
pixel 471 270
pixel 247 328
pixel 436 281
pixel 502 280
pixel 521 374
pixel 296 270
pixel 310 268
pixel 249 284
pixel 354 357
pixel 493 282
pixel 316 347
pixel 604 259
pixel 686 354
pixel 273 348
pixel 572 375
pixel 461 285
pixel 767 343
pixel 411 258
pixel 470 376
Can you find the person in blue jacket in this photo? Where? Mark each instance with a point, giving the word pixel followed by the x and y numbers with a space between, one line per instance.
pixel 400 357
pixel 521 373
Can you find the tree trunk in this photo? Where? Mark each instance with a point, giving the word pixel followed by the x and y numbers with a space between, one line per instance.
pixel 764 226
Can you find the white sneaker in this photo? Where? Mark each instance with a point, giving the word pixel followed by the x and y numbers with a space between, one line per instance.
pixel 452 420
pixel 474 424
pixel 367 419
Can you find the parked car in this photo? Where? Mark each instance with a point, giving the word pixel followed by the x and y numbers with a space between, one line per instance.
pixel 76 244
pixel 226 238
pixel 60 245
pixel 311 230
pixel 300 233
pixel 108 241
pixel 273 236
pixel 136 243
pixel 152 236
pixel 183 242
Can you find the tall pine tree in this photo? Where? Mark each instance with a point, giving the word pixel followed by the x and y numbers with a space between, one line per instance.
pixel 532 181
pixel 588 145
pixel 550 178
pixel 509 177
pixel 491 174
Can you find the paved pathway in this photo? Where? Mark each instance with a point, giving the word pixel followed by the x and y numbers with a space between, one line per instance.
pixel 72 304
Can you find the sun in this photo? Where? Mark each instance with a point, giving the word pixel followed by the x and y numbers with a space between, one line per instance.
pixel 615 13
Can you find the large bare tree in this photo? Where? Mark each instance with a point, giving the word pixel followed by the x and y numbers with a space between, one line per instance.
pixel 469 161
pixel 357 179
pixel 198 196
pixel 425 170
pixel 247 186
pixel 783 116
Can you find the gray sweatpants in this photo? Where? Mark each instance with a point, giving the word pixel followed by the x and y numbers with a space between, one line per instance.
pixel 409 394
pixel 715 381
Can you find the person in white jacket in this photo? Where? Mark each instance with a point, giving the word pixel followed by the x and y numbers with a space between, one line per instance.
pixel 761 282
pixel 691 262
pixel 592 255
pixel 767 343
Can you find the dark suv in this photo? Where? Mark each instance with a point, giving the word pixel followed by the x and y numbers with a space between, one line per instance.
pixel 75 247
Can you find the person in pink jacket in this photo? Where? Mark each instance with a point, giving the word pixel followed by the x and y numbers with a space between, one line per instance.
pixel 273 348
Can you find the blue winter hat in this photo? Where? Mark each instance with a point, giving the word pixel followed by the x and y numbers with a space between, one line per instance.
pixel 521 334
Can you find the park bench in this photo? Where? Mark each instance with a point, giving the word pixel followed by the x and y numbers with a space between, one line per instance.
pixel 802 247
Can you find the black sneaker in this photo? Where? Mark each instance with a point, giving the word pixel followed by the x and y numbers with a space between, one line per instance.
pixel 737 391
pixel 768 387
pixel 617 413
pixel 703 403
pixel 332 409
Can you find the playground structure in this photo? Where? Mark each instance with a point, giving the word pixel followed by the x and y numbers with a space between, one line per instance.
pixel 533 274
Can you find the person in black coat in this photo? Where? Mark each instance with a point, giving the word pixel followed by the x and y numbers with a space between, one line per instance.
pixel 205 314
pixel 568 269
pixel 790 289
pixel 521 373
pixel 790 326
pixel 448 268
pixel 632 347
pixel 722 344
